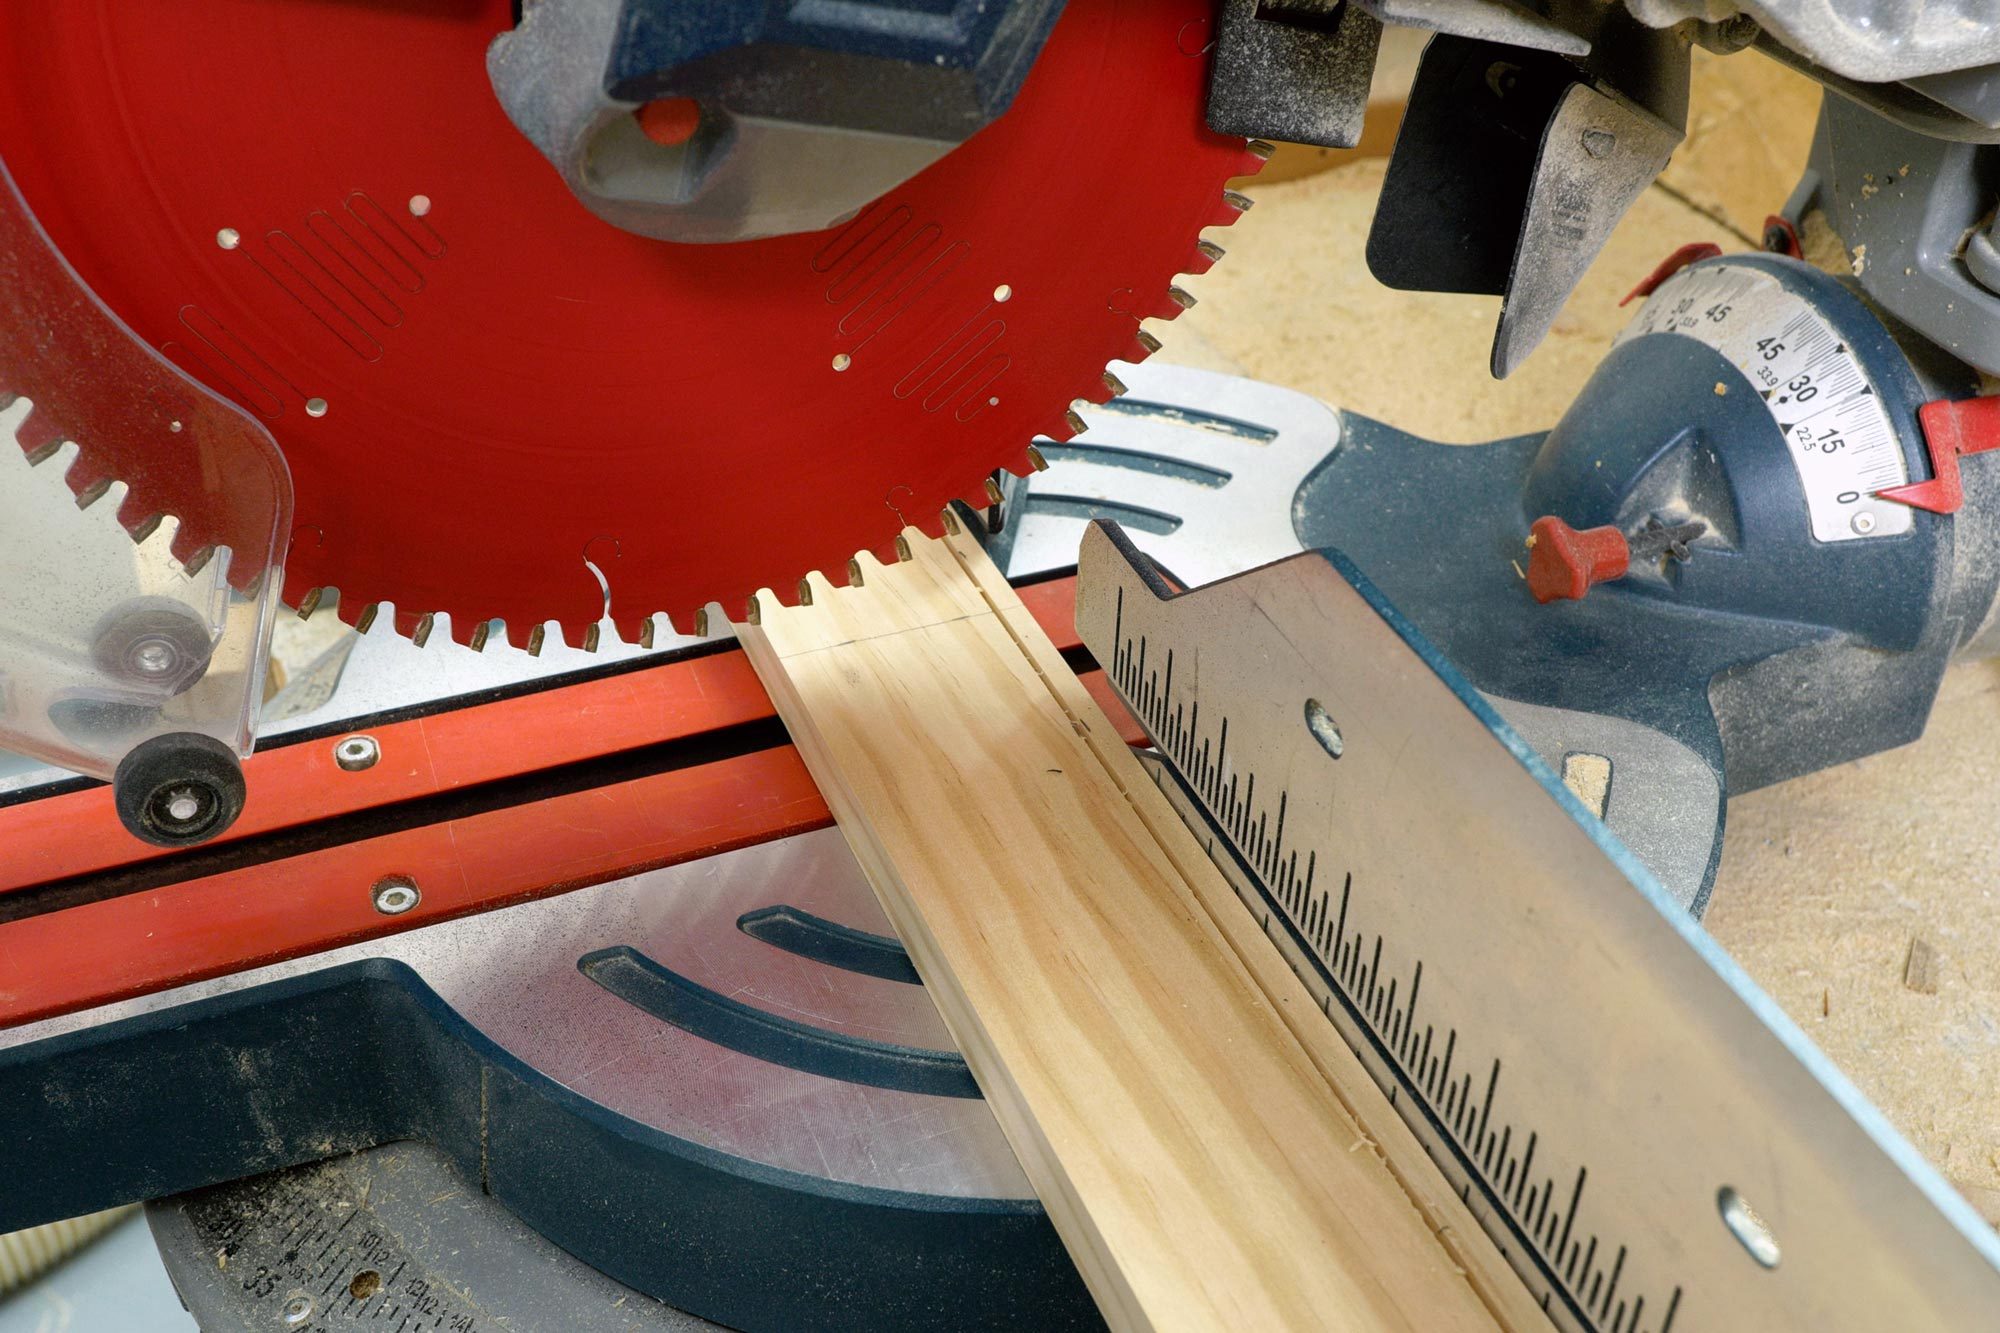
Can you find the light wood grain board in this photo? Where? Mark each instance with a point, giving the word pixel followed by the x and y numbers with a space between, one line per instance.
pixel 1210 1153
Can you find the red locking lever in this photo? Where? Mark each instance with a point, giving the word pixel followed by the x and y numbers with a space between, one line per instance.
pixel 1951 428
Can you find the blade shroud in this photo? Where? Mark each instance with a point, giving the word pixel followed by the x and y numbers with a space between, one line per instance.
pixel 487 397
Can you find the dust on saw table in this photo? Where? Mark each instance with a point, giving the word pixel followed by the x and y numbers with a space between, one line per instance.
pixel 1209 1151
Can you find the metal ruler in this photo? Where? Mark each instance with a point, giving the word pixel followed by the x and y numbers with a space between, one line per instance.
pixel 1652 1143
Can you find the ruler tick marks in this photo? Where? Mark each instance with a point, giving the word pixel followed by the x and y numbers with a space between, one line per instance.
pixel 1379 995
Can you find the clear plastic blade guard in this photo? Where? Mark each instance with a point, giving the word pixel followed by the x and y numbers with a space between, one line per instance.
pixel 115 625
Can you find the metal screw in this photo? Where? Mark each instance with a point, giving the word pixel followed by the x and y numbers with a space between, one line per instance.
pixel 356 753
pixel 1863 523
pixel 1597 143
pixel 396 894
pixel 155 657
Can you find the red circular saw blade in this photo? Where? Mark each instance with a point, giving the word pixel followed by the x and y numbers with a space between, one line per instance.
pixel 480 387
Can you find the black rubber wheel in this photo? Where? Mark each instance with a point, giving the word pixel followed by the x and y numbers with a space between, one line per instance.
pixel 179 789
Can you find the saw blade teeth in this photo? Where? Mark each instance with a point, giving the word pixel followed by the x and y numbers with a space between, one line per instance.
pixel 142 527
pixel 1141 278
pixel 420 634
pixel 1260 149
pixel 816 588
pixel 37 435
pixel 309 602
pixel 636 631
pixel 365 620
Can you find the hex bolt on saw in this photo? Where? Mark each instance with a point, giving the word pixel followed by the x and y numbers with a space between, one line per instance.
pixel 563 324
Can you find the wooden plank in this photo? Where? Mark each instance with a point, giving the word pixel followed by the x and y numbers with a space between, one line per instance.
pixel 1195 1129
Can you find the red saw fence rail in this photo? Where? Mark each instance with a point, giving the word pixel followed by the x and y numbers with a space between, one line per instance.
pixel 481 807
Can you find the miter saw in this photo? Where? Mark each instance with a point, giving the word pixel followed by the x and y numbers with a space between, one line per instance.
pixel 563 322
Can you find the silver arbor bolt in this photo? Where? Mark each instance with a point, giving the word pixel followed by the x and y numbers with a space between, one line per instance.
pixel 396 894
pixel 356 753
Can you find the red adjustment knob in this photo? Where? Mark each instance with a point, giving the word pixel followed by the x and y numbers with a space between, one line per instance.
pixel 669 121
pixel 1563 563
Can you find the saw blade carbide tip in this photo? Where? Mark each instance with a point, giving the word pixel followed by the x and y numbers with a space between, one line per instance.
pixel 37 434
pixel 1260 149
pixel 364 619
pixel 1074 420
pixel 471 633
pixel 197 560
pixel 854 575
pixel 420 634
pixel 637 631
pixel 309 601
pixel 93 492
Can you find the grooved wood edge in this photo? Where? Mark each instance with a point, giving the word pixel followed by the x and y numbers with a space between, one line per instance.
pixel 1211 1153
